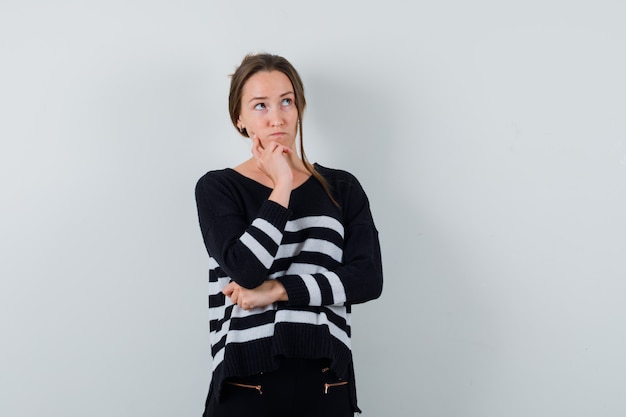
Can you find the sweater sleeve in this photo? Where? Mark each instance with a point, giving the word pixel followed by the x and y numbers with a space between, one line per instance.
pixel 244 250
pixel 359 278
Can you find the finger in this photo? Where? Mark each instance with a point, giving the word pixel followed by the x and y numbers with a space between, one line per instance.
pixel 257 148
pixel 228 289
pixel 245 302
pixel 234 297
pixel 277 148
pixel 257 141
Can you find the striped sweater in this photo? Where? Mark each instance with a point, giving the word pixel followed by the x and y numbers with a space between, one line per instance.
pixel 326 257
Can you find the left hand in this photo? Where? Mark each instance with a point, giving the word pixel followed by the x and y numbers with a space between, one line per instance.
pixel 265 294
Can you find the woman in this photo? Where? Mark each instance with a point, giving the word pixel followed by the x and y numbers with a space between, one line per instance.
pixel 292 246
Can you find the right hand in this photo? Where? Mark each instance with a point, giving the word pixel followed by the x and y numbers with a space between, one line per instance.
pixel 273 161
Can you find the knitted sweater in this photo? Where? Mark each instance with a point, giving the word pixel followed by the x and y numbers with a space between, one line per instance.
pixel 326 257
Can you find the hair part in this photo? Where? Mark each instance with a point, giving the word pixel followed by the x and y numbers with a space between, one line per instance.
pixel 253 63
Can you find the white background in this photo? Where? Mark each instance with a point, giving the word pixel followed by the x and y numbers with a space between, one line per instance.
pixel 490 137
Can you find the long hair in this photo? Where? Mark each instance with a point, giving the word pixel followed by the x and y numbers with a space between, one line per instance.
pixel 253 63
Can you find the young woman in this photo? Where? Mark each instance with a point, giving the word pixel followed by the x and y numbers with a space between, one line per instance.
pixel 292 245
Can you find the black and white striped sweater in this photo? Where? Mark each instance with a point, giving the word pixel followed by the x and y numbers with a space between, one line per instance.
pixel 326 257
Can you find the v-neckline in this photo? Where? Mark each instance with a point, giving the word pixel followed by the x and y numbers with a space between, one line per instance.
pixel 239 174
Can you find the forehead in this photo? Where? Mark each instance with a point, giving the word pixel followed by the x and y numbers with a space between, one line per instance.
pixel 267 84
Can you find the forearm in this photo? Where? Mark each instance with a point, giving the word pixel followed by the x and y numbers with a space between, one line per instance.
pixel 352 285
pixel 281 194
pixel 357 279
pixel 245 252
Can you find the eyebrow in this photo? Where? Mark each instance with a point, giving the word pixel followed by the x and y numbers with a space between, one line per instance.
pixel 265 98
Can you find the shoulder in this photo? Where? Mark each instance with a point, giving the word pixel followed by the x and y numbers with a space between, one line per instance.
pixel 343 184
pixel 216 179
pixel 216 183
pixel 215 175
pixel 345 187
pixel 352 199
pixel 337 177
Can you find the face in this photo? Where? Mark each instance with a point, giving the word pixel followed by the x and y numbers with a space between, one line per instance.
pixel 268 108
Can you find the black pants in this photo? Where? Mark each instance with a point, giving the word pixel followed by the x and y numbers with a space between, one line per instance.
pixel 300 387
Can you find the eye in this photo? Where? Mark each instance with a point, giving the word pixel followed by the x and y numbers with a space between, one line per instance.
pixel 259 106
pixel 286 102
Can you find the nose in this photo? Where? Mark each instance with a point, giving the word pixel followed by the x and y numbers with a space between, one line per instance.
pixel 275 118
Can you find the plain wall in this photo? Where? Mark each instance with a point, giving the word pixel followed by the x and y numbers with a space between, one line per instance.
pixel 489 136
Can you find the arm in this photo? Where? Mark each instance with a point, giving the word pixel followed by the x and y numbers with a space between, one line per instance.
pixel 244 250
pixel 359 276
pixel 357 281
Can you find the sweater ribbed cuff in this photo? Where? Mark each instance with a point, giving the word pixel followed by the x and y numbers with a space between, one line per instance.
pixel 297 293
pixel 274 213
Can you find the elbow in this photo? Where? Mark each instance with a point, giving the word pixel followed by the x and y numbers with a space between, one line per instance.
pixel 371 291
pixel 246 278
pixel 242 271
pixel 248 283
pixel 376 280
pixel 377 288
